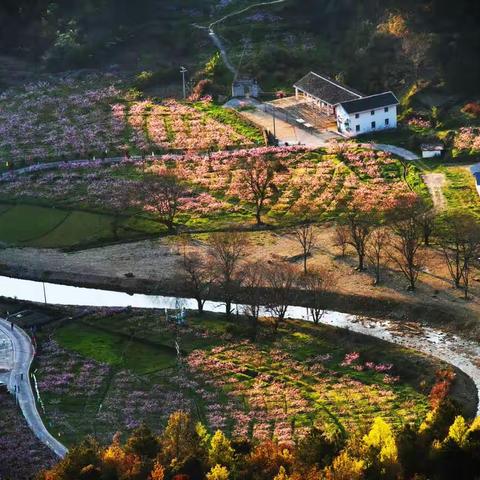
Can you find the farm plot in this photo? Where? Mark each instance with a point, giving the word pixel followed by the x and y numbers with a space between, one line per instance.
pixel 120 369
pixel 214 190
pixel 96 116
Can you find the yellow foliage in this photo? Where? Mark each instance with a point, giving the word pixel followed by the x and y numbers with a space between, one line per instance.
pixel 282 474
pixel 218 472
pixel 458 431
pixel 220 451
pixel 475 425
pixel 158 472
pixel 396 25
pixel 345 467
pixel 381 437
pixel 114 454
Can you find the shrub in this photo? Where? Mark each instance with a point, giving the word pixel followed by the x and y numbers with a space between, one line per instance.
pixel 472 108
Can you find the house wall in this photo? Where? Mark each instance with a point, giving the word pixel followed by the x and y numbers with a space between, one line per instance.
pixel 347 123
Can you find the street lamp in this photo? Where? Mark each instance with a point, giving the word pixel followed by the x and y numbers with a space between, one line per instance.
pixel 183 71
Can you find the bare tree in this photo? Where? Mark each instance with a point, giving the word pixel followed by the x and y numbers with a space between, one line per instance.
pixel 379 239
pixel 281 279
pixel 253 282
pixel 317 283
pixel 161 195
pixel 341 238
pixel 359 225
pixel 307 238
pixel 427 222
pixel 226 250
pixel 196 277
pixel 459 239
pixel 405 248
pixel 256 177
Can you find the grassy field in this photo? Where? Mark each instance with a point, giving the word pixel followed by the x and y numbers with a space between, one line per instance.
pixel 460 189
pixel 111 371
pixel 50 227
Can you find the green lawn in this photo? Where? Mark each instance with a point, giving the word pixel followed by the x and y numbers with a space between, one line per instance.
pixel 460 189
pixel 23 224
pixel 50 227
pixel 115 350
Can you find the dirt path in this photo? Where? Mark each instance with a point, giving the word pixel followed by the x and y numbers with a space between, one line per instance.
pixel 435 183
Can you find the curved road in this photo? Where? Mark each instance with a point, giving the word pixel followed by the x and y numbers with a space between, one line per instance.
pixel 23 353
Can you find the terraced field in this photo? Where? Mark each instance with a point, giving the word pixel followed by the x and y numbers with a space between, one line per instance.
pixel 119 368
pixel 98 203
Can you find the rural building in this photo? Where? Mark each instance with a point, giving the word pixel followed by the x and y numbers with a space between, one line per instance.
pixel 246 88
pixel 355 113
pixel 475 169
pixel 432 150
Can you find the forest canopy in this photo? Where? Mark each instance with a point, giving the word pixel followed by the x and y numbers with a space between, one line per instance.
pixel 392 38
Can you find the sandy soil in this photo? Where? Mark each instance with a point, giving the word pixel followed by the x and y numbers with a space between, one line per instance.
pixel 435 183
pixel 155 265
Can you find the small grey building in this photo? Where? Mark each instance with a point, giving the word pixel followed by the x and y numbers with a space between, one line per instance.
pixel 246 87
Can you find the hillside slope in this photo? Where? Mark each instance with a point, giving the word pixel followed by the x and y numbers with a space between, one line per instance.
pixel 371 44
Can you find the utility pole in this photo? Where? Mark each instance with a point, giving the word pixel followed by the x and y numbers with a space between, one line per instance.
pixel 183 71
pixel 274 124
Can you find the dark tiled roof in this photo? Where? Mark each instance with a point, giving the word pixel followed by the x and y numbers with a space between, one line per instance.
pixel 370 103
pixel 326 89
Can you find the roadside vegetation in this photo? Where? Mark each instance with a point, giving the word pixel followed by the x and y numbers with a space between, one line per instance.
pixel 22 455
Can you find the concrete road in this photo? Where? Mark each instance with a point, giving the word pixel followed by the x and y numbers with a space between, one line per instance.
pixel 18 383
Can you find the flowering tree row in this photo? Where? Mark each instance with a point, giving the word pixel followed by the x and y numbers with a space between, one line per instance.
pixel 174 125
pixel 248 389
pixel 68 118
pixel 288 182
pixel 467 140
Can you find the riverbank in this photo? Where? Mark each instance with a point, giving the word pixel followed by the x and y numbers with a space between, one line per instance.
pixel 153 276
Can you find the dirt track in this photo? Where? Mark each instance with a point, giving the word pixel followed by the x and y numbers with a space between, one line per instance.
pixel 435 183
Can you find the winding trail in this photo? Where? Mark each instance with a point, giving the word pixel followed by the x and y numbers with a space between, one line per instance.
pixel 218 41
pixel 18 383
pixel 435 183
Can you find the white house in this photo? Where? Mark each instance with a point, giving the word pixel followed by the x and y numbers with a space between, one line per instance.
pixel 355 113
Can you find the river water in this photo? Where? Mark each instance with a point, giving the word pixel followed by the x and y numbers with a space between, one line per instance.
pixel 461 353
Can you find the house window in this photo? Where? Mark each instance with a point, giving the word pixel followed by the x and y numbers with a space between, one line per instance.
pixel 357 115
pixel 357 128
pixel 374 125
pixel 373 112
pixel 387 122
pixel 386 109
